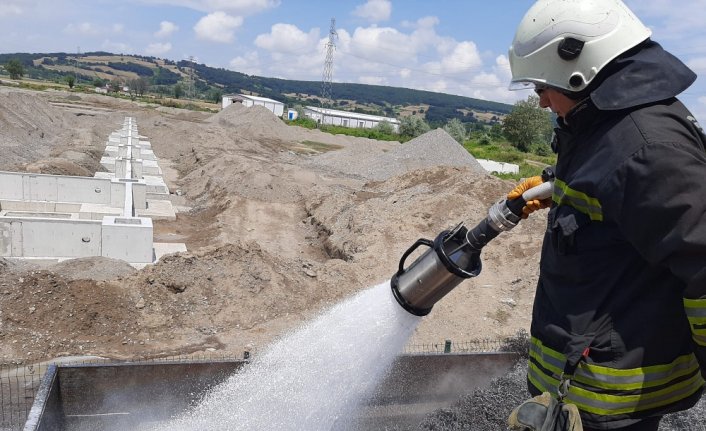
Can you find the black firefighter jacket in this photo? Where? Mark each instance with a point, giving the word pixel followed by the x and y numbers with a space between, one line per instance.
pixel 620 307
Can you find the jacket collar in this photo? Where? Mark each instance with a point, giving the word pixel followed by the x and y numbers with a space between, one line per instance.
pixel 645 74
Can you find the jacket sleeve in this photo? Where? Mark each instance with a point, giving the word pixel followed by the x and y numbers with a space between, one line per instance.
pixel 663 214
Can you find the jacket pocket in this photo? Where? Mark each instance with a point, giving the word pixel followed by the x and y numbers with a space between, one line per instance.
pixel 565 224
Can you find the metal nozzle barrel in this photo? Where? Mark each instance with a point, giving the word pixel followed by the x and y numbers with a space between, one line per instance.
pixel 454 255
pixel 448 261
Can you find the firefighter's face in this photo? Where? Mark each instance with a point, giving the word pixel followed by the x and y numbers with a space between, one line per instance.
pixel 555 100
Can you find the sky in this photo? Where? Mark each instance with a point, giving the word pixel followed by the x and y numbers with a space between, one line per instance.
pixel 450 46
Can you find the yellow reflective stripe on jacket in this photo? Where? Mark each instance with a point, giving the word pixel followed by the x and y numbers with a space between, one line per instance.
pixel 565 195
pixel 696 313
pixel 636 378
pixel 608 404
pixel 595 381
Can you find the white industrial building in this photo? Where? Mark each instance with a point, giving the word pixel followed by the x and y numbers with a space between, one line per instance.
pixel 276 107
pixel 348 119
pixel 499 167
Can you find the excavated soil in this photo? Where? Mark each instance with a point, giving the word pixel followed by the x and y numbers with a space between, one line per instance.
pixel 280 222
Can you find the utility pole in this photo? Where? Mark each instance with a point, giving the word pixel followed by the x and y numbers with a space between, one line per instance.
pixel 327 78
pixel 78 55
pixel 191 76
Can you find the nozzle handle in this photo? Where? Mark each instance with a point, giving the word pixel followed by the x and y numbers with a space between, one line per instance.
pixel 420 241
pixel 541 191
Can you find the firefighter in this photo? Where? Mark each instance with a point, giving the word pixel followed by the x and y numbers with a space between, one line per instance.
pixel 618 333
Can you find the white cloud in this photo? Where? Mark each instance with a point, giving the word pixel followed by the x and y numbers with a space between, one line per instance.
pixel 84 29
pixel 698 64
pixel 116 47
pixel 166 29
pixel 218 27
pixel 90 29
pixel 463 59
pixel 672 20
pixel 383 44
pixel 288 38
pixel 158 49
pixel 248 64
pixel 11 9
pixel 374 10
pixel 237 7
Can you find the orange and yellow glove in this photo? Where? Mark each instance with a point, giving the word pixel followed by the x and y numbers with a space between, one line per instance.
pixel 531 205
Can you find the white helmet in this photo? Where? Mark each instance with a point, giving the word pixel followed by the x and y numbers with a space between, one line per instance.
pixel 565 43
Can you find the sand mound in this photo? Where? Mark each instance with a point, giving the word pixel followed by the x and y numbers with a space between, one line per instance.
pixel 92 268
pixel 373 161
pixel 30 127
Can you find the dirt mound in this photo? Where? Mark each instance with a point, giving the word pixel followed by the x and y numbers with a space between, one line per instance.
pixel 46 315
pixel 58 167
pixel 372 227
pixel 92 268
pixel 251 121
pixel 30 127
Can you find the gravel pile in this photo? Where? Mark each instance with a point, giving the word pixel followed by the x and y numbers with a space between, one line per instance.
pixel 488 409
pixel 368 161
pixel 434 148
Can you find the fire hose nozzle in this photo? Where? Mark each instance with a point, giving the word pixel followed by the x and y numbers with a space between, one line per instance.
pixel 448 261
pixel 455 255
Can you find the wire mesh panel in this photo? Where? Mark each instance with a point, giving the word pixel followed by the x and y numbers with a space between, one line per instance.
pixel 18 386
pixel 448 346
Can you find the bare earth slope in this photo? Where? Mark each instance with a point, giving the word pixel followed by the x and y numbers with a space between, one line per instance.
pixel 277 229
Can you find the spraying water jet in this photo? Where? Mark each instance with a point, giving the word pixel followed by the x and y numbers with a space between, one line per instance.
pixel 454 255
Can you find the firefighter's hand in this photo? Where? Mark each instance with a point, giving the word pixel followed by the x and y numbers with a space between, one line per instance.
pixel 531 205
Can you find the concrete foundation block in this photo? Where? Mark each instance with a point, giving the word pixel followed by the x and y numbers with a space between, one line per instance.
pixel 121 167
pixel 137 168
pixel 139 195
pixel 127 238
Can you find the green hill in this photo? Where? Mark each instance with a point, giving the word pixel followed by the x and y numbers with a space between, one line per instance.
pixel 203 82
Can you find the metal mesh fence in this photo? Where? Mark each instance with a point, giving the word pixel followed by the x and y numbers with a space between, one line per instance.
pixel 448 346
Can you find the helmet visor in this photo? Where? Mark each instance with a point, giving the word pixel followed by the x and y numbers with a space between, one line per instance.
pixel 525 85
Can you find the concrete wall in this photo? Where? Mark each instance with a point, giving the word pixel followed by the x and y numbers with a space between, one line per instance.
pixel 45 237
pixel 120 397
pixel 28 188
pixel 129 239
pixel 56 188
